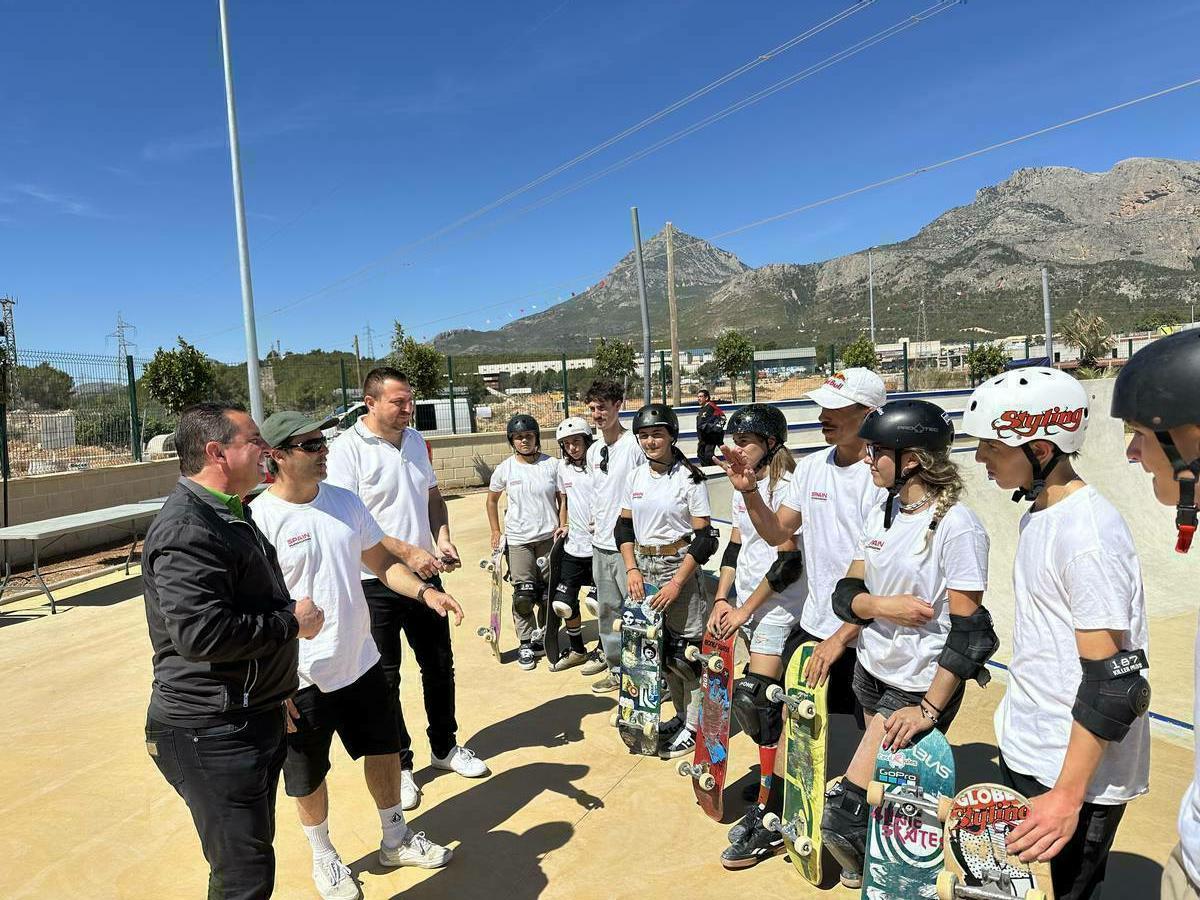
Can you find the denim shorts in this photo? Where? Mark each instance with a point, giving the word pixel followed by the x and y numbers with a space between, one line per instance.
pixel 768 640
pixel 877 696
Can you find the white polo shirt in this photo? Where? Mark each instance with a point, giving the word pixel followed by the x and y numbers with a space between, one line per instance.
pixel 394 482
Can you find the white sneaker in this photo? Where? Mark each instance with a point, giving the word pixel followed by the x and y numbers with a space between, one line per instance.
pixel 410 794
pixel 462 761
pixel 416 850
pixel 334 880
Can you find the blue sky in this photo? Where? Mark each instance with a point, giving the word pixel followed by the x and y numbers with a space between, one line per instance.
pixel 368 125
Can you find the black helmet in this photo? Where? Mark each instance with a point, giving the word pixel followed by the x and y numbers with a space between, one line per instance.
pixel 908 425
pixel 524 422
pixel 654 414
pixel 764 420
pixel 1158 386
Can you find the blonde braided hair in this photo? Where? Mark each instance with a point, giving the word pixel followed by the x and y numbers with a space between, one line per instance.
pixel 941 474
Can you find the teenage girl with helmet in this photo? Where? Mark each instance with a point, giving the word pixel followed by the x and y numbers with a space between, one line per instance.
pixel 577 493
pixel 915 587
pixel 770 592
pixel 530 478
pixel 665 537
pixel 1157 394
pixel 1070 738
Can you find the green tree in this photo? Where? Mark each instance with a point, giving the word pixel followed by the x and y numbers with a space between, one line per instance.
pixel 44 386
pixel 860 354
pixel 986 361
pixel 614 359
pixel 179 378
pixel 708 373
pixel 422 363
pixel 1090 333
pixel 733 354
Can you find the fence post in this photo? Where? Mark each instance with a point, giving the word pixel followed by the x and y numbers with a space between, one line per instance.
pixel 4 470
pixel 904 346
pixel 1027 346
pixel 662 373
pixel 450 384
pixel 566 388
pixel 345 389
pixel 1129 350
pixel 135 424
pixel 832 358
pixel 970 371
pixel 753 382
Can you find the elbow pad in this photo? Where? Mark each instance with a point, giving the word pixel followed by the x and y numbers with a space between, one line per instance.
pixel 704 544
pixel 843 600
pixel 786 570
pixel 1112 695
pixel 969 645
pixel 730 557
pixel 623 532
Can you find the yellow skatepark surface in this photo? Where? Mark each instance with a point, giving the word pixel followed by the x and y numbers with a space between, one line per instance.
pixel 566 813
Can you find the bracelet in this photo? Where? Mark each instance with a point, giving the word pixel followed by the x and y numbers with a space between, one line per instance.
pixel 932 705
pixel 631 569
pixel 753 490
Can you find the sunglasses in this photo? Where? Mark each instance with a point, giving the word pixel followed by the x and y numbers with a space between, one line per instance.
pixel 604 459
pixel 312 445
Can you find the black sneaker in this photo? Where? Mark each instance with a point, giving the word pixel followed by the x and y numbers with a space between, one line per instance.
pixel 681 743
pixel 751 820
pixel 758 845
pixel 670 726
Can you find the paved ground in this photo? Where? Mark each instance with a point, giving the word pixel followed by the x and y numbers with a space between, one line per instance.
pixel 566 813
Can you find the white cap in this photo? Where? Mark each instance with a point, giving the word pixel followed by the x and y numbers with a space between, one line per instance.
pixel 850 386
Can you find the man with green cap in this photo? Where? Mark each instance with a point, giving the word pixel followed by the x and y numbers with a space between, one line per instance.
pixel 322 535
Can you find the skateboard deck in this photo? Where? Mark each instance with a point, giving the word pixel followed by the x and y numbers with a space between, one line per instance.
pixel 708 768
pixel 904 829
pixel 977 863
pixel 805 737
pixel 551 566
pixel 497 565
pixel 639 701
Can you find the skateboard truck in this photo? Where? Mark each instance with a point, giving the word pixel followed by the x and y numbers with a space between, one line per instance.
pixel 908 799
pixel 706 781
pixel 799 706
pixel 711 660
pixel 950 887
pixel 651 630
pixel 801 842
pixel 649 729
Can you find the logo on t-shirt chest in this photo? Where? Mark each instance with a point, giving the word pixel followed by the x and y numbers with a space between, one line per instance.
pixel 298 539
pixel 568 484
pixel 516 482
pixel 875 544
pixel 819 495
pixel 637 495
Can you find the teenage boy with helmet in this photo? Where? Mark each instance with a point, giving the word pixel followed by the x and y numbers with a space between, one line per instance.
pixel 1157 396
pixel 665 535
pixel 916 588
pixel 578 494
pixel 530 478
pixel 770 592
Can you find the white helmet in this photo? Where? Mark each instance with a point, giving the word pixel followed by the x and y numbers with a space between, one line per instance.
pixel 572 425
pixel 1025 405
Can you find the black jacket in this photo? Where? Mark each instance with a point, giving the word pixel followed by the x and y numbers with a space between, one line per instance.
pixel 219 613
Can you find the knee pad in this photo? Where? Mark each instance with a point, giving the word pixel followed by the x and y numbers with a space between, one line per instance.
pixel 524 597
pixel 844 825
pixel 758 716
pixel 564 598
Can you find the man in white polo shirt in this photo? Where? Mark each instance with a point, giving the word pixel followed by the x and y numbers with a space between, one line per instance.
pixel 386 463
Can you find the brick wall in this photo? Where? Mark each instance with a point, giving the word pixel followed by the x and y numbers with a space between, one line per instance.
pixel 467 460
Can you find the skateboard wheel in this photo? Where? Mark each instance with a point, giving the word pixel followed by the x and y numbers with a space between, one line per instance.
pixel 771 822
pixel 1035 895
pixel 775 694
pixel 947 886
pixel 806 709
pixel 616 627
pixel 707 782
pixel 875 791
pixel 650 729
pixel 652 632
pixel 684 767
pixel 803 846
pixel 716 664
pixel 945 804
pixel 484 632
pixel 613 719
pixel 692 653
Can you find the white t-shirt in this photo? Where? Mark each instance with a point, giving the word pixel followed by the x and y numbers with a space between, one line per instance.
pixel 320 547
pixel 1189 810
pixel 624 456
pixel 957 557
pixel 580 492
pixel 532 513
pixel 663 505
pixel 833 502
pixel 756 556
pixel 394 482
pixel 1076 569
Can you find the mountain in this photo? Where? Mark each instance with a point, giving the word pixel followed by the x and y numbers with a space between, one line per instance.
pixel 1123 243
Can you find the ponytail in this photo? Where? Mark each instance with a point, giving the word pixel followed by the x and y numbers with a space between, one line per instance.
pixel 939 472
pixel 782 463
pixel 698 475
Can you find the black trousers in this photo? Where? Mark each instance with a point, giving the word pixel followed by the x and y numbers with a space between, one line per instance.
pixel 429 637
pixel 1078 870
pixel 705 452
pixel 228 775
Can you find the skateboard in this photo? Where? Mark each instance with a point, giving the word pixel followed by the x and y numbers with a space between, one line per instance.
pixel 712 748
pixel 551 567
pixel 640 698
pixel 978 866
pixel 496 565
pixel 910 795
pixel 805 736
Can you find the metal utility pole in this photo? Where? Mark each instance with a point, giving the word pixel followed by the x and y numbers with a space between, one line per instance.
pixel 1046 313
pixel 871 289
pixel 673 311
pixel 239 211
pixel 357 362
pixel 641 269
pixel 370 344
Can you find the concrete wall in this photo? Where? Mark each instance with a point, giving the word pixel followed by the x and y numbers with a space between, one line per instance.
pixel 467 460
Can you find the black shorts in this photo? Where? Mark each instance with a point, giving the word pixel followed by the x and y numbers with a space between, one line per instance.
pixel 840 697
pixel 363 715
pixel 575 573
pixel 880 697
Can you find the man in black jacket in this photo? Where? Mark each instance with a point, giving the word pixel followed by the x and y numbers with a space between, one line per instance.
pixel 224 634
pixel 710 427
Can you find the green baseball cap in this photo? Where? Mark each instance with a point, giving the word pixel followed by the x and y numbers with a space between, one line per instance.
pixel 287 423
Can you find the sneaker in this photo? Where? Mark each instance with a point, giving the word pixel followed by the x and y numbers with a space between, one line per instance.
pixel 682 743
pixel 569 660
pixel 670 726
pixel 589 600
pixel 596 663
pixel 462 761
pixel 417 850
pixel 410 794
pixel 561 609
pixel 334 880
pixel 751 820
pixel 607 684
pixel 758 845
pixel 525 657
pixel 538 648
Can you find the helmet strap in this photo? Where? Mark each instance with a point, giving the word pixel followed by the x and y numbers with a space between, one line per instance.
pixel 1185 510
pixel 537 450
pixel 898 482
pixel 767 457
pixel 1040 473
